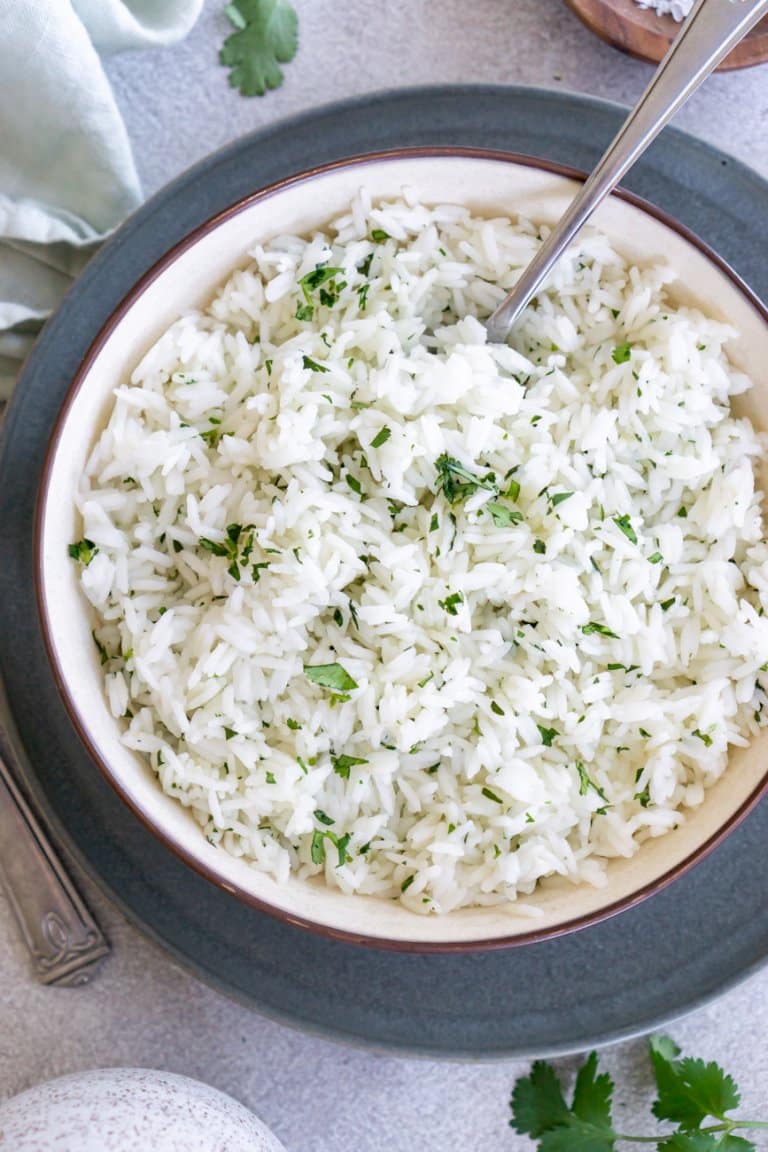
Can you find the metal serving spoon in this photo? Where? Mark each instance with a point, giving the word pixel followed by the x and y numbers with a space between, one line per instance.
pixel 64 941
pixel 713 28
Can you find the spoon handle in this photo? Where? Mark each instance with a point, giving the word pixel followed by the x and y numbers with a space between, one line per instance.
pixel 64 941
pixel 713 28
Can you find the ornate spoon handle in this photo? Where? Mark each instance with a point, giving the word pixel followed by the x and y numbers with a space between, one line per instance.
pixel 64 941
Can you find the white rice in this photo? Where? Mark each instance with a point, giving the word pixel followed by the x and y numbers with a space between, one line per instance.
pixel 546 671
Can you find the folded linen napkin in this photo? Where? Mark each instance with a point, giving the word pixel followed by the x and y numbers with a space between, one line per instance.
pixel 67 175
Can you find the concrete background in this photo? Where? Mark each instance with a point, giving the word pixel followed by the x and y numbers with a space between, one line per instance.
pixel 142 1009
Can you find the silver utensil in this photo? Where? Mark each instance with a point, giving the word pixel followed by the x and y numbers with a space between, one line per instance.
pixel 64 941
pixel 713 28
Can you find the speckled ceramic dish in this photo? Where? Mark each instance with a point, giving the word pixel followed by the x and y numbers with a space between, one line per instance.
pixel 126 1109
pixel 489 183
pixel 628 974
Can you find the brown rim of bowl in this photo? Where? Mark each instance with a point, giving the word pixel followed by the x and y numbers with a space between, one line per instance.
pixel 79 724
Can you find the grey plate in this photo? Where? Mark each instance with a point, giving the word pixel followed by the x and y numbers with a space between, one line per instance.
pixel 619 978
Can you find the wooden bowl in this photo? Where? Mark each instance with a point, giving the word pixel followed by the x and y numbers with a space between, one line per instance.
pixel 641 32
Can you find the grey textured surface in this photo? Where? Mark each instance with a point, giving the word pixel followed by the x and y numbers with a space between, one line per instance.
pixel 142 1010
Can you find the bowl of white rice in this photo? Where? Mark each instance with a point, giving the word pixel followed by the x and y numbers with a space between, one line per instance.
pixel 399 635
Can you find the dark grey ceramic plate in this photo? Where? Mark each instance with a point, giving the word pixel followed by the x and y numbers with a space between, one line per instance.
pixel 619 978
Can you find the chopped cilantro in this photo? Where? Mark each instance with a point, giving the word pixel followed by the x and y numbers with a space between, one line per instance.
pixel 540 547
pixel 213 546
pixel 456 482
pixel 503 517
pixel 450 603
pixel 559 497
pixel 600 629
pixel 103 654
pixel 407 882
pixel 585 783
pixel 312 365
pixel 667 604
pixel 342 764
pixel 354 484
pixel 229 733
pixel 320 275
pixel 337 617
pixel 547 735
pixel 317 850
pixel 625 524
pixel 497 709
pixel 513 490
pixel 704 737
pixel 271 778
pixel 379 235
pixel 381 437
pixel 332 676
pixel 621 353
pixel 434 523
pixel 83 551
pixel 656 558
pixel 321 817
pixel 293 724
pixel 491 795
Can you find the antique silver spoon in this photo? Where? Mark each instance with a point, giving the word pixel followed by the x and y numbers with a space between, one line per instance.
pixel 713 28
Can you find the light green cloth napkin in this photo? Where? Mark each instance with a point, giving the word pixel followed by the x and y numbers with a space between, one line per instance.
pixel 67 176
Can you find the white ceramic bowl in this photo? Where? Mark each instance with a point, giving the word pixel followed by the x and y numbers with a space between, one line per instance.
pixel 185 278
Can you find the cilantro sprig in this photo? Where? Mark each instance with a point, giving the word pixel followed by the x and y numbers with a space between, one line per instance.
pixel 695 1096
pixel 266 36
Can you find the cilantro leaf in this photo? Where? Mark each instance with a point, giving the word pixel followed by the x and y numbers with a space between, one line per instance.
pixel 381 437
pixel 317 848
pixel 319 275
pixel 539 1110
pixel 450 604
pixel 503 517
pixel 601 630
pixel 331 676
pixel 266 36
pixel 689 1090
pixel 690 1142
pixel 621 353
pixel 537 1101
pixel 625 525
pixel 342 764
pixel 83 551
pixel 592 1094
pixel 577 1136
pixel 312 365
